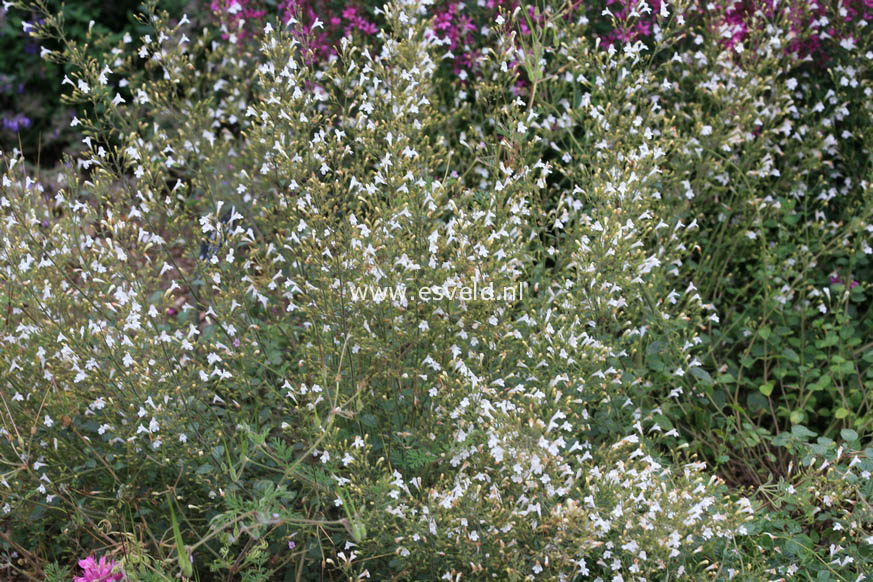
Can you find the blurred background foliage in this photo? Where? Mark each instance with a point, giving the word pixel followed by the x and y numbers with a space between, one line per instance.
pixel 32 114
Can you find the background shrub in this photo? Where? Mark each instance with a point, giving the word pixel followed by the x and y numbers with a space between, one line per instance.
pixel 33 115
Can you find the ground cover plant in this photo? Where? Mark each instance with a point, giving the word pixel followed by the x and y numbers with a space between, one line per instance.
pixel 244 329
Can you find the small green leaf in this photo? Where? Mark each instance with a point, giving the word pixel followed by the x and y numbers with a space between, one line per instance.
pixel 766 389
pixel 702 375
pixel 663 422
pixel 756 402
pixel 781 439
pixel 800 431
pixel 849 435
pixel 181 553
pixel 841 413
pixel 764 332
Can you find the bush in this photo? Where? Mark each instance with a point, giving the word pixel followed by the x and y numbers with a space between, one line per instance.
pixel 248 337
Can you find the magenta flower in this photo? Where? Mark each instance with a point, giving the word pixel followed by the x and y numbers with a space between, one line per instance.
pixel 231 12
pixel 94 571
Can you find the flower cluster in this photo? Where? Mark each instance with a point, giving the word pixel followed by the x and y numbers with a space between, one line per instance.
pixel 98 571
pixel 809 22
pixel 234 14
pixel 634 19
pixel 15 123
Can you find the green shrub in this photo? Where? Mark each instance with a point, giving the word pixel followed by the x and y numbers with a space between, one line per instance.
pixel 219 362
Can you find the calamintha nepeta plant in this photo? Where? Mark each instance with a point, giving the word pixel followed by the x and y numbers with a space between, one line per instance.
pixel 182 340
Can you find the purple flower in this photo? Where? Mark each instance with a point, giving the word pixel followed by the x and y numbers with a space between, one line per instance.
pixel 16 122
pixel 236 342
pixel 94 571
pixel 835 280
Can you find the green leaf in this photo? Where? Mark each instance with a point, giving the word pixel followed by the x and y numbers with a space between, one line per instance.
pixel 663 422
pixel 800 431
pixel 702 375
pixel 849 435
pixel 764 332
pixel 822 383
pixel 656 346
pixel 841 413
pixel 818 449
pixel 756 402
pixel 181 553
pixel 766 389
pixel 781 439
pixel 790 355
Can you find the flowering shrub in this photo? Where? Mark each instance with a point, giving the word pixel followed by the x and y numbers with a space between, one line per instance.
pixel 814 28
pixel 193 379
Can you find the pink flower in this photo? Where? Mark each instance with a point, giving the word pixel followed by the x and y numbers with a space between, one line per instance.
pixel 94 571
pixel 231 12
